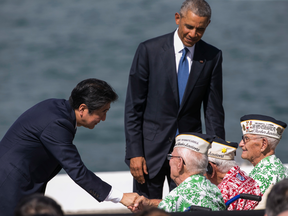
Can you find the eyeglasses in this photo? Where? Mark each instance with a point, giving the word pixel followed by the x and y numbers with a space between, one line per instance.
pixel 246 139
pixel 170 156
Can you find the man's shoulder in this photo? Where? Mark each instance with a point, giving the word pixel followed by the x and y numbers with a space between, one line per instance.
pixel 159 39
pixel 46 104
pixel 282 169
pixel 51 101
pixel 269 166
pixel 247 180
pixel 52 107
pixel 156 45
pixel 237 176
pixel 271 163
pixel 206 47
pixel 202 183
pixel 238 181
pixel 243 173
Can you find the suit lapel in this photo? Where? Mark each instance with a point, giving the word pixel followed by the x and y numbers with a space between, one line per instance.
pixel 198 64
pixel 169 65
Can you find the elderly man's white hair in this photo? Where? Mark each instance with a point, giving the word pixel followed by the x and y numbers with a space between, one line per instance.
pixel 194 161
pixel 223 165
pixel 272 142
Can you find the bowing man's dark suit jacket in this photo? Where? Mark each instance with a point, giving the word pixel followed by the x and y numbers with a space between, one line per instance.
pixel 152 110
pixel 34 150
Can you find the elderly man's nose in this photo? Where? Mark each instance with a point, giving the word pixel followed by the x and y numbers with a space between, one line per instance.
pixel 241 143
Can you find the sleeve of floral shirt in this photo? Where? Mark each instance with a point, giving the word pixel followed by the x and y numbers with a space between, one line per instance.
pixel 168 204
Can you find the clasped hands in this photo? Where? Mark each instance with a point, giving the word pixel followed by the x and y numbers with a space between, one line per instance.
pixel 133 201
pixel 136 203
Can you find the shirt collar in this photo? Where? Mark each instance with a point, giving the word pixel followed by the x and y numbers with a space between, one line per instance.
pixel 179 46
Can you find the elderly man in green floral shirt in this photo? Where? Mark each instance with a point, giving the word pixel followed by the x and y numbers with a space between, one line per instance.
pixel 261 135
pixel 188 163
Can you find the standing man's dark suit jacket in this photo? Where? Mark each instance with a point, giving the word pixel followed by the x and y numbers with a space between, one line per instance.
pixel 34 150
pixel 152 110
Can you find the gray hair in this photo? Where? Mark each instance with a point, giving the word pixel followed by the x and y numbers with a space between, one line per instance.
pixel 272 142
pixel 223 165
pixel 277 200
pixel 194 161
pixel 199 7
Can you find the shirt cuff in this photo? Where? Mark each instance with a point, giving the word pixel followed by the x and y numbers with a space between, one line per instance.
pixel 114 196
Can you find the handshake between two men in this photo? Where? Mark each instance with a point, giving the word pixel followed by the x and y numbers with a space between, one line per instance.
pixel 189 170
pixel 136 203
pixel 188 163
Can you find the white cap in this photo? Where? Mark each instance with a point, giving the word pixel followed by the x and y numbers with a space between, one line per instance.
pixel 194 141
pixel 262 125
pixel 222 149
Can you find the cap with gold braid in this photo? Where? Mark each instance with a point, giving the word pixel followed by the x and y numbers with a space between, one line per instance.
pixel 222 149
pixel 195 141
pixel 262 125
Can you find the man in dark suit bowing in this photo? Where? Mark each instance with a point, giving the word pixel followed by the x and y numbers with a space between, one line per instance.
pixel 40 143
pixel 170 78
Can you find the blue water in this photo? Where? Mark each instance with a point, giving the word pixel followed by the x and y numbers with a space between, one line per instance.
pixel 47 47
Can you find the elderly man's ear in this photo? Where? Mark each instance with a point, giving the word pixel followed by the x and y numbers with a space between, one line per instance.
pixel 265 148
pixel 180 165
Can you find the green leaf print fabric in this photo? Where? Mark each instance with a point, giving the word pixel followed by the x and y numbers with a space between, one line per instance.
pixel 269 170
pixel 195 190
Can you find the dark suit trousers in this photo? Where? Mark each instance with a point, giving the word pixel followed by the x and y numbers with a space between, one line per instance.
pixel 153 188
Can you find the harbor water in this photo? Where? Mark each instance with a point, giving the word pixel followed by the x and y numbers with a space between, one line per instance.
pixel 47 47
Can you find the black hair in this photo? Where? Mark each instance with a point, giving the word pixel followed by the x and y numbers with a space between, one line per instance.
pixel 152 211
pixel 94 93
pixel 38 204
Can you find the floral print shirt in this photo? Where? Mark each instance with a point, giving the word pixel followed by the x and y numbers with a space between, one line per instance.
pixel 195 190
pixel 237 182
pixel 269 170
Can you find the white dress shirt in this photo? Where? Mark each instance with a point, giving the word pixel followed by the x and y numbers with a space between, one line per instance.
pixel 178 47
pixel 114 196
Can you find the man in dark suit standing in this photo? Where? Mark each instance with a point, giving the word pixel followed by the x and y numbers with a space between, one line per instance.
pixel 170 78
pixel 40 143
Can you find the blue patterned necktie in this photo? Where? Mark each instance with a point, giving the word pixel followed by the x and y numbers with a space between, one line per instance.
pixel 183 73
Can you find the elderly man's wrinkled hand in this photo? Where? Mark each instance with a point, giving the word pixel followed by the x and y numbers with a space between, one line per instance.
pixel 140 203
